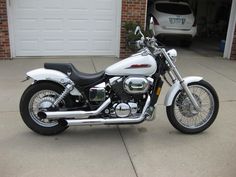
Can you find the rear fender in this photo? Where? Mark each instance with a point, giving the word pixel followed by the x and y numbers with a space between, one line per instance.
pixel 177 86
pixel 43 74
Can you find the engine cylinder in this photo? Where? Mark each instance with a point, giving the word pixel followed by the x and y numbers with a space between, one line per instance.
pixel 136 85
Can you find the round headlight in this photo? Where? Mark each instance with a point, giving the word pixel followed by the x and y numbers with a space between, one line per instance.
pixel 173 55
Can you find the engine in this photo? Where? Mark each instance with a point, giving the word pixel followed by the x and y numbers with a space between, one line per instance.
pixel 130 87
pixel 128 95
pixel 123 110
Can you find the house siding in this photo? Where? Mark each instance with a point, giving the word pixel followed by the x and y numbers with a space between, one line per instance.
pixel 4 34
pixel 233 50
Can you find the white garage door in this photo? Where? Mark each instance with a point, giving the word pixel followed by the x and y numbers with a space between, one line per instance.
pixel 65 27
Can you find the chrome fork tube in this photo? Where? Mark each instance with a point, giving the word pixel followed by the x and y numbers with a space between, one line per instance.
pixel 180 79
pixel 172 76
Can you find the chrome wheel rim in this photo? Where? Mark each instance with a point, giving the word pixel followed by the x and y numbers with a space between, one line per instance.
pixel 41 101
pixel 185 113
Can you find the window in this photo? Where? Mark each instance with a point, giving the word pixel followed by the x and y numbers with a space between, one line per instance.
pixel 177 9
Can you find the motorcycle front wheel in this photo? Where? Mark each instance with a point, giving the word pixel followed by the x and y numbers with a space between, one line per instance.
pixel 185 118
pixel 39 97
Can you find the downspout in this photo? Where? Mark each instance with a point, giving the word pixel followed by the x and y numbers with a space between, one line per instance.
pixel 230 31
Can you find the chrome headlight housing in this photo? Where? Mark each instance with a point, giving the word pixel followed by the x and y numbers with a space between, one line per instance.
pixel 173 55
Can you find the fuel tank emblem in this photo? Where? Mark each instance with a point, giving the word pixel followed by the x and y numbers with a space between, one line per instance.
pixel 138 66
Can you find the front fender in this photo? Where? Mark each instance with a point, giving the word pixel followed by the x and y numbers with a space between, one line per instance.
pixel 52 75
pixel 176 87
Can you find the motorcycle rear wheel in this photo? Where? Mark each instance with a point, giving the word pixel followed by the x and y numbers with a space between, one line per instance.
pixel 38 95
pixel 185 118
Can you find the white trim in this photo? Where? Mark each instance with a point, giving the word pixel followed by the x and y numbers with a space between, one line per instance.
pixel 118 27
pixel 10 28
pixel 231 30
pixel 145 21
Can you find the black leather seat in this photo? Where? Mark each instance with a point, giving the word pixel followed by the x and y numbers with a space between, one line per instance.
pixel 81 79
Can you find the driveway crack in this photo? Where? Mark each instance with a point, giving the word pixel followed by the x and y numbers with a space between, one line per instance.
pixel 127 151
pixel 218 73
pixel 93 64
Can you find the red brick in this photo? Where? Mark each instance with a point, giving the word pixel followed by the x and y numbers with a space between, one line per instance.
pixel 132 11
pixel 4 36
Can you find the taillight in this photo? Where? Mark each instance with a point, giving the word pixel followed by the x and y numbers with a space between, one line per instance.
pixel 155 21
pixel 195 22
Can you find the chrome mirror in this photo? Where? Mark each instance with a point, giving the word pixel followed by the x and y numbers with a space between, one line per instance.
pixel 151 25
pixel 137 30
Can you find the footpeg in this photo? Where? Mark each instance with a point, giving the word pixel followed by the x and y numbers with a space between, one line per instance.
pixel 150 114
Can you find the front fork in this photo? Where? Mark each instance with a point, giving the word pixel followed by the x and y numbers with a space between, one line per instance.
pixel 180 79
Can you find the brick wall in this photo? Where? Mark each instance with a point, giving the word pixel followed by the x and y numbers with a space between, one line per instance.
pixel 132 11
pixel 4 37
pixel 233 52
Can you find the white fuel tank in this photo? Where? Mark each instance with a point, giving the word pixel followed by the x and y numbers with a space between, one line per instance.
pixel 134 65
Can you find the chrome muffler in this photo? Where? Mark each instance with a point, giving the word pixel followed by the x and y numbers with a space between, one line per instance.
pixel 54 115
pixel 79 118
pixel 102 121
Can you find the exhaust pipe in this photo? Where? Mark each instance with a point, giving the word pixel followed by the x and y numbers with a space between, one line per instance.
pixel 73 114
pixel 102 121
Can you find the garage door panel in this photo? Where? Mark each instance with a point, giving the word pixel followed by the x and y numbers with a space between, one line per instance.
pixel 26 14
pixel 26 24
pixel 51 45
pixel 30 45
pixel 65 27
pixel 27 47
pixel 77 15
pixel 51 4
pixel 78 4
pixel 53 24
pixel 103 25
pixel 77 45
pixel 47 14
pixel 78 35
pixel 27 35
pixel 104 4
pixel 52 34
pixel 100 35
pixel 77 24
pixel 26 4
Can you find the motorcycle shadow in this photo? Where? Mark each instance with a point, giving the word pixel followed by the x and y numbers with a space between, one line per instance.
pixel 101 136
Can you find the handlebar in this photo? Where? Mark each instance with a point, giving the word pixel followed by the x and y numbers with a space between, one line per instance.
pixel 147 42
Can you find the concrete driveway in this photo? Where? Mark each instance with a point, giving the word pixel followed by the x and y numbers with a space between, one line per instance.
pixel 151 149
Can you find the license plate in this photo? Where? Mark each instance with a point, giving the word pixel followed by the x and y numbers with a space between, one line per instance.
pixel 177 21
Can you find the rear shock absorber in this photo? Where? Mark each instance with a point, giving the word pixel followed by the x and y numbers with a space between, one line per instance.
pixel 68 89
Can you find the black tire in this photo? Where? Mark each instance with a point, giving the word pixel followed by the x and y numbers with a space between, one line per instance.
pixel 25 113
pixel 174 121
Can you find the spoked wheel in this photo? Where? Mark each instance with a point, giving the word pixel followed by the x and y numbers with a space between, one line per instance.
pixel 182 114
pixel 39 97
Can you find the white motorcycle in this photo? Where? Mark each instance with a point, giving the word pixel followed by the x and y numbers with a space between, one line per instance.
pixel 125 93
